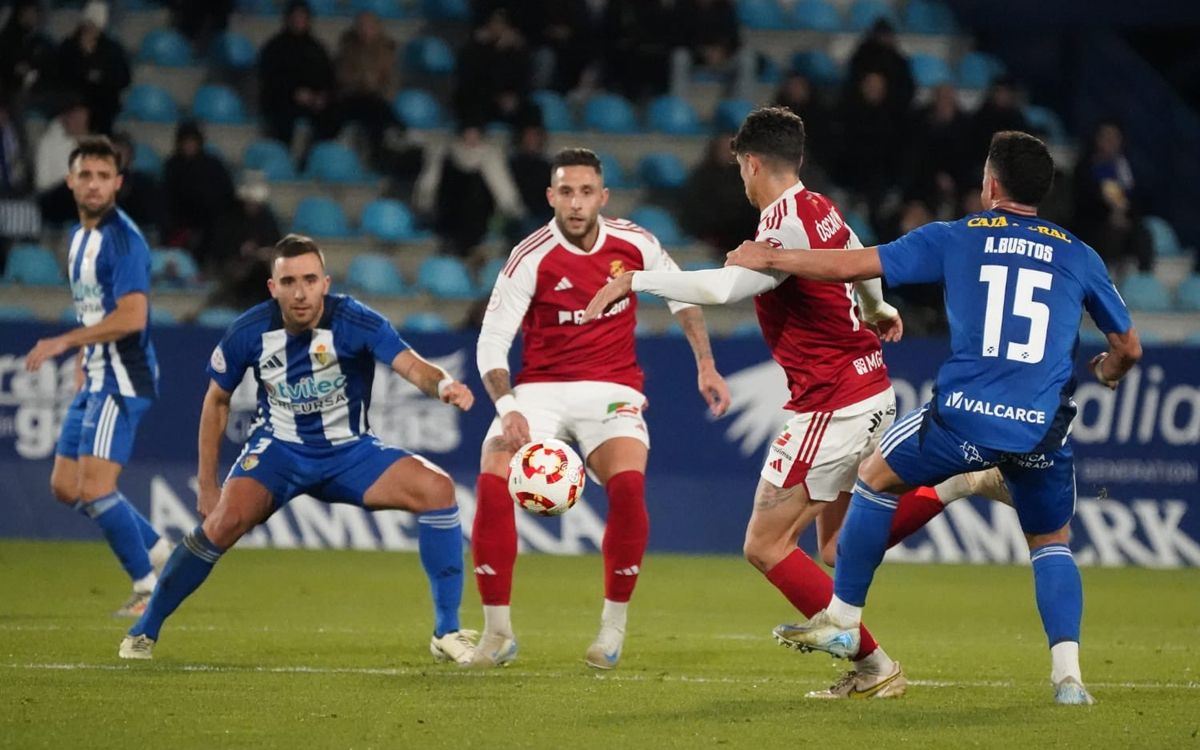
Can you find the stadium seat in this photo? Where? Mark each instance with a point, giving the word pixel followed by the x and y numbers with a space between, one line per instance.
pixel 817 66
pixel 330 161
pixel 372 273
pixel 33 265
pixel 445 277
pixel 1145 293
pixel 446 10
pixel 659 223
pixel 324 8
pixel 151 103
pixel 556 116
pixel 861 227
pixel 928 17
pixel 1045 121
pixel 214 103
pixel 1187 295
pixel 730 113
pixel 173 268
pixel 490 272
pixel 609 113
pixel 864 13
pixel 146 159
pixel 760 14
pixel 217 317
pixel 614 175
pixel 418 109
pixel 161 316
pixel 233 50
pixel 929 70
pixel 429 54
pixel 977 70
pixel 662 170
pixel 387 9
pixel 1091 336
pixel 321 217
pixel 673 116
pixel 20 313
pixel 165 47
pixel 700 265
pixel 426 322
pixel 1162 236
pixel 271 158
pixel 816 15
pixel 389 221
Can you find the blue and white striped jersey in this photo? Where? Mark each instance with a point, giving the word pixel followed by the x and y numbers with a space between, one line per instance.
pixel 105 264
pixel 314 388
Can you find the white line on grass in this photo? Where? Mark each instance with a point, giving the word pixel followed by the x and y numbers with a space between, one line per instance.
pixel 474 674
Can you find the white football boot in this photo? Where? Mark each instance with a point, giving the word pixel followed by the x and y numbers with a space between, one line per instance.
pixel 605 651
pixel 1071 692
pixel 457 646
pixel 494 650
pixel 820 633
pixel 858 685
pixel 136 647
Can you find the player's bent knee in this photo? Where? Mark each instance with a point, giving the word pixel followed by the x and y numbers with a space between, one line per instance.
pixel 763 553
pixel 92 488
pixel 436 492
pixel 63 490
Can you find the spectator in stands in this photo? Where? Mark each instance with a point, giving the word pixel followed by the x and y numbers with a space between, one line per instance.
pixel 296 78
pixel 531 172
pixel 95 66
pixel 796 93
pixel 242 245
pixel 559 32
pixel 1000 110
pixel 714 208
pixel 14 161
pixel 869 138
pixel 711 40
pixel 55 199
pixel 938 162
pixel 494 72
pixel 199 20
pixel 198 192
pixel 1107 214
pixel 26 53
pixel 462 186
pixel 367 82
pixel 641 35
pixel 924 311
pixel 879 53
pixel 140 195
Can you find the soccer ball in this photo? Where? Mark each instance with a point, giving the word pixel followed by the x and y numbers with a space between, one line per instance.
pixel 546 477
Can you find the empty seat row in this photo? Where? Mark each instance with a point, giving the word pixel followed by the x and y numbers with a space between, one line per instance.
pixel 919 16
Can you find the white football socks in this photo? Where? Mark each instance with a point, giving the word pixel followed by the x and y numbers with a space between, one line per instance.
pixel 1064 662
pixel 614 615
pixel 876 662
pixel 845 615
pixel 497 619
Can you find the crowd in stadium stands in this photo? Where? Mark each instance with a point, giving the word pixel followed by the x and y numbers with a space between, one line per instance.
pixel 896 160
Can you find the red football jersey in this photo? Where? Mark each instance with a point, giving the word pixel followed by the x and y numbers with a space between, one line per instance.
pixel 832 359
pixel 544 289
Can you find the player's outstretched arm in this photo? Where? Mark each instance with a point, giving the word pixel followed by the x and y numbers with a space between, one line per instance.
pixel 214 417
pixel 128 317
pixel 843 265
pixel 712 386
pixel 1124 351
pixel 432 380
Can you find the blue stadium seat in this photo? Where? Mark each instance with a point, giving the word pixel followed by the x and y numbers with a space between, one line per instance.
pixel 173 268
pixel 662 170
pixel 21 313
pixel 426 322
pixel 977 70
pixel 1193 338
pixel 429 54
pixel 760 14
pixel 271 158
pixel 730 113
pixel 928 17
pixel 69 315
pixel 372 273
pixel 151 103
pixel 673 116
pixel 609 113
pixel 161 316
pixel 861 227
pixel 33 265
pixel 388 220
pixel 1187 295
pixel 700 265
pixel 146 159
pixel 321 217
pixel 258 7
pixel 418 109
pixel 614 174
pixel 817 66
pixel 389 9
pixel 659 223
pixel 330 161
pixel 1045 121
pixel 746 329
pixel 816 15
pixel 219 104
pixel 1145 293
pixel 233 50
pixel 490 272
pixel 165 47
pixel 556 115
pixel 929 70
pixel 217 317
pixel 1089 335
pixel 864 13
pixel 1162 236
pixel 324 8
pixel 445 277
pixel 446 10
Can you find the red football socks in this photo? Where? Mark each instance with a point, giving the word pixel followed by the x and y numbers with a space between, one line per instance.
pixel 494 540
pixel 625 534
pixel 809 588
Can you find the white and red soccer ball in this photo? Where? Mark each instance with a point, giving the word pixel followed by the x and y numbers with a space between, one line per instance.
pixel 546 477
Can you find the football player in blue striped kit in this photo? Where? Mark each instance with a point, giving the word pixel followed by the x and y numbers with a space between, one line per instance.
pixel 109 270
pixel 313 356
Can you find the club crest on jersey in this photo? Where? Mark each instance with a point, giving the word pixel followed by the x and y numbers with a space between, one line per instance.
pixel 322 355
pixel 616 268
pixel 249 462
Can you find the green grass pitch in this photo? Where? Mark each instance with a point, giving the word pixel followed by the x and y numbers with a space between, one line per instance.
pixel 300 649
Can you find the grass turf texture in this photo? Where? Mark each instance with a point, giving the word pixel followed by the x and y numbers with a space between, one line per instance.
pixel 330 649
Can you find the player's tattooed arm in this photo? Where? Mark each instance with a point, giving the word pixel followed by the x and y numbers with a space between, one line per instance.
pixel 498 384
pixel 432 380
pixel 214 417
pixel 712 386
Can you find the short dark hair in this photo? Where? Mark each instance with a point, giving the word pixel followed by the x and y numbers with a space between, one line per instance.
pixel 773 133
pixel 97 146
pixel 1023 165
pixel 576 157
pixel 295 245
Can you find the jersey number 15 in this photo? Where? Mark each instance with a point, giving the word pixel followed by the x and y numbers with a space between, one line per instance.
pixel 1024 306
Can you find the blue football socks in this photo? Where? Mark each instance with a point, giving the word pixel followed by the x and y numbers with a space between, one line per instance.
pixel 185 570
pixel 1059 591
pixel 862 542
pixel 119 522
pixel 440 540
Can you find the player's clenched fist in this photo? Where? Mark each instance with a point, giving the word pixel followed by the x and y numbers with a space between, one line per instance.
pixel 457 394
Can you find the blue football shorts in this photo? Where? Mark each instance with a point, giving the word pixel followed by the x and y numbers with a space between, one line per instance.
pixel 101 425
pixel 923 452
